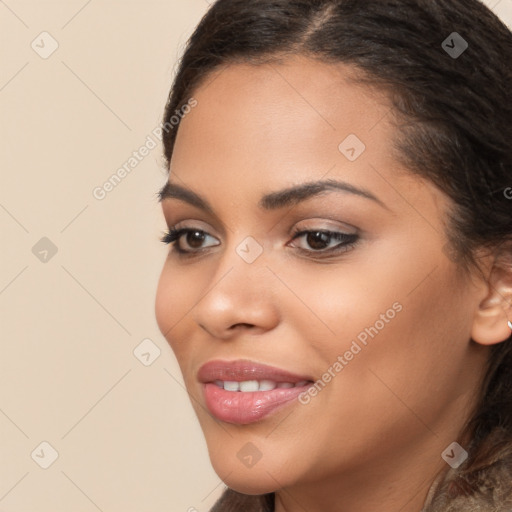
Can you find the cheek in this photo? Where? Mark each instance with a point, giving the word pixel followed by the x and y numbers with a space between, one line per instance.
pixel 423 339
pixel 162 309
pixel 173 295
pixel 331 306
pixel 407 325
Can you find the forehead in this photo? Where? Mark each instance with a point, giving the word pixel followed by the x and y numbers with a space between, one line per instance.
pixel 290 103
pixel 262 127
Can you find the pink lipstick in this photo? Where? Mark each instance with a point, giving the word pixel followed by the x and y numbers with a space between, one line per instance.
pixel 244 392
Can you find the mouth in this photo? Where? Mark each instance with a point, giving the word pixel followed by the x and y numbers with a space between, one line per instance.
pixel 243 392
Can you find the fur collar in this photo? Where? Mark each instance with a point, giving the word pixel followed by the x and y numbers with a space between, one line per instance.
pixel 487 488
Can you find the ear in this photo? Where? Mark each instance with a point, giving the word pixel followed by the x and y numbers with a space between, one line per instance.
pixel 493 318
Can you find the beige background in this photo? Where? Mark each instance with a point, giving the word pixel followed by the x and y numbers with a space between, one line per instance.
pixel 125 433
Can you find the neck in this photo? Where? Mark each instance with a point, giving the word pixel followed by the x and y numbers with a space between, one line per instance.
pixel 402 485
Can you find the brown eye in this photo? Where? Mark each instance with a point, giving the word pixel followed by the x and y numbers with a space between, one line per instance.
pixel 326 242
pixel 318 239
pixel 195 238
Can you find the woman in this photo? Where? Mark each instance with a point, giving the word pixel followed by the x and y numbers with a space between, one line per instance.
pixel 338 292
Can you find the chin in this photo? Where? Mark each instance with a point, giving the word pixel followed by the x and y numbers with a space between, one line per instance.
pixel 248 481
pixel 256 476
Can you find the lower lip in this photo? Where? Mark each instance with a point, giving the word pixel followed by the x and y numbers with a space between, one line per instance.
pixel 247 407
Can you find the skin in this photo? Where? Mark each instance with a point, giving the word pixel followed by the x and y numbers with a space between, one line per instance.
pixel 372 438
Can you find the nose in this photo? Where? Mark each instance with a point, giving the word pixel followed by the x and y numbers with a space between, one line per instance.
pixel 240 297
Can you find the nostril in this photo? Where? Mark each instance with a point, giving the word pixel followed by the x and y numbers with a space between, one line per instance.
pixel 242 324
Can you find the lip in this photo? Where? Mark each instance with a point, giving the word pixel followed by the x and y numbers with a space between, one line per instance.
pixel 243 369
pixel 247 407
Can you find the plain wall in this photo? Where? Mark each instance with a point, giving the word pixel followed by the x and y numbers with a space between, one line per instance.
pixel 125 433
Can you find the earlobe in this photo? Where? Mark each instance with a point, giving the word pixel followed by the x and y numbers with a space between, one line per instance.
pixel 491 329
pixel 492 321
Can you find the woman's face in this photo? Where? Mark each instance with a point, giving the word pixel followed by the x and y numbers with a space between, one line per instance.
pixel 378 314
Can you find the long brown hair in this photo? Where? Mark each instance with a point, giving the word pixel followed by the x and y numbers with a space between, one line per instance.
pixel 456 113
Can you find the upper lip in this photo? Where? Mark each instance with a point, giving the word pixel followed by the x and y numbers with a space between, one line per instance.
pixel 242 370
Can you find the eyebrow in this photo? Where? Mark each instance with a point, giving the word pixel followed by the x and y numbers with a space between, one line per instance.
pixel 272 200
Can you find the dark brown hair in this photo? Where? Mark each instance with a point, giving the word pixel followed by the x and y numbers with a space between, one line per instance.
pixel 455 125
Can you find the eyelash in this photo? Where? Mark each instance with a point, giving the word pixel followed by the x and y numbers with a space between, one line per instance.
pixel 347 240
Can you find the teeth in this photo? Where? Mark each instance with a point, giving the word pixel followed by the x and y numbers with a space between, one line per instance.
pixel 249 386
pixel 231 385
pixel 267 385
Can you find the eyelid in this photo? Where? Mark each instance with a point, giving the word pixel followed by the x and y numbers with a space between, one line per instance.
pixel 345 241
pixel 325 224
pixel 184 213
pixel 196 224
